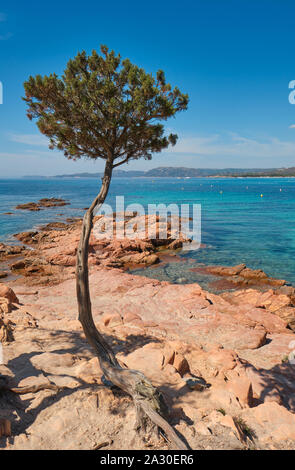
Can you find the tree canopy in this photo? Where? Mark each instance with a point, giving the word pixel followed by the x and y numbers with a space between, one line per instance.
pixel 104 107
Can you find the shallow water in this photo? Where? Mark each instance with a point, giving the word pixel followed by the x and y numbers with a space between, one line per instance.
pixel 238 225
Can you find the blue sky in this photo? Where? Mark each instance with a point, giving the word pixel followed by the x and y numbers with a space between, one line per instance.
pixel 235 59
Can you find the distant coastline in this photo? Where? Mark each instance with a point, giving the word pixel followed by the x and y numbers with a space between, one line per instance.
pixel 182 172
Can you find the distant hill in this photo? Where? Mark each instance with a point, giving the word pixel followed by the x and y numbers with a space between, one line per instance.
pixel 116 174
pixel 273 172
pixel 169 172
pixel 196 172
pixel 183 172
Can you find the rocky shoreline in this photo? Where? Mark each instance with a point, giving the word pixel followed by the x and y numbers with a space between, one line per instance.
pixel 222 361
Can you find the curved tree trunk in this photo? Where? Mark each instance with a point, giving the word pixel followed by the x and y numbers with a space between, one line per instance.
pixel 148 400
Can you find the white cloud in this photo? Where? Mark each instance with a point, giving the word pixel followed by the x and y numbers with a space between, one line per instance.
pixel 29 139
pixel 223 150
pixel 292 126
pixel 235 145
pixel 215 145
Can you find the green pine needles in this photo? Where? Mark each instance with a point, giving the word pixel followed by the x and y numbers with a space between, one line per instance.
pixel 104 107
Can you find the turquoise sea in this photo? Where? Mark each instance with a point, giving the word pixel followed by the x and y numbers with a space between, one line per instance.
pixel 238 225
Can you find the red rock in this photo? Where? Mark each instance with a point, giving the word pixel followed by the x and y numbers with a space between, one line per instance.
pixel 228 332
pixel 169 354
pixel 129 317
pixel 180 363
pixel 229 422
pixel 8 293
pixel 27 237
pixel 287 314
pixel 271 422
pixel 62 260
pixel 279 302
pixel 226 271
pixel 253 274
pixel 89 371
pixel 202 428
pixel 31 206
pixel 241 386
pixel 112 320
pixel 18 265
pixel 222 359
pixel 160 329
pixel 251 339
pixel 171 370
pixel 221 397
pixel 149 359
pixel 175 245
pixel 45 202
pixel 263 385
pixel 248 296
pixel 263 318
pixel 241 275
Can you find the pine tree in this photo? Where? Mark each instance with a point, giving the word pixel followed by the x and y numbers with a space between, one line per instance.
pixel 108 108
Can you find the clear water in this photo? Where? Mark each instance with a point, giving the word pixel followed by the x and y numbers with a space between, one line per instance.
pixel 238 225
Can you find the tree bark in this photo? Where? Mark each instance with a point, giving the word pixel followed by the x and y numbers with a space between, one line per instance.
pixel 147 399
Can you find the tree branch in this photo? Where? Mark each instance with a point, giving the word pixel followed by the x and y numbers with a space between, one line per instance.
pixel 121 163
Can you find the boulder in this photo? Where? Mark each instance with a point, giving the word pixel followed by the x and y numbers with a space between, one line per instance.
pixel 45 202
pixel 287 314
pixel 112 320
pixel 30 206
pixel 180 363
pixel 18 265
pixel 227 421
pixel 271 422
pixel 240 275
pixel 226 271
pixel 11 250
pixel 62 259
pixel 8 293
pixel 241 386
pixel 149 359
pixel 27 237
